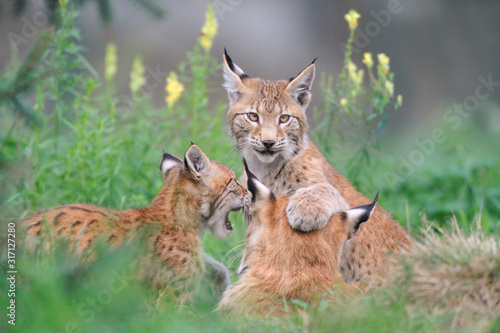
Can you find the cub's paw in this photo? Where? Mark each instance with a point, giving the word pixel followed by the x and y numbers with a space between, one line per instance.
pixel 216 277
pixel 305 214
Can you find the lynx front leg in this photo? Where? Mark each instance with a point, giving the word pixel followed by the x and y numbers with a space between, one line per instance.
pixel 216 277
pixel 310 207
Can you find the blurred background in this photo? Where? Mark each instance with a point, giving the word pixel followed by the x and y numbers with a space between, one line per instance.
pixel 444 55
pixel 438 48
pixel 72 132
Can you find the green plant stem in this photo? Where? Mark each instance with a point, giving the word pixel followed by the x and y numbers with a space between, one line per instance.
pixel 9 132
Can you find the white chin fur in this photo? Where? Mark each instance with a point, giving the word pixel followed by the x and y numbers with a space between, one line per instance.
pixel 266 158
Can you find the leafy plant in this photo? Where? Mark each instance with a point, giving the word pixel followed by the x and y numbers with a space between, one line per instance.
pixel 351 115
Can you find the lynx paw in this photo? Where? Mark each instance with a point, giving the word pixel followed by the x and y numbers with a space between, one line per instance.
pixel 305 214
pixel 217 276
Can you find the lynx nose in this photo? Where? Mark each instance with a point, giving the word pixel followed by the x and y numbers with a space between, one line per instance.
pixel 268 143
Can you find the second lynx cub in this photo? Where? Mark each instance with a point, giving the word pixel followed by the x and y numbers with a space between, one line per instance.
pixel 197 194
pixel 280 263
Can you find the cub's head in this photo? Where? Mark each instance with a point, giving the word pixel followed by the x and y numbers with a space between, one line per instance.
pixel 209 189
pixel 267 118
pixel 265 209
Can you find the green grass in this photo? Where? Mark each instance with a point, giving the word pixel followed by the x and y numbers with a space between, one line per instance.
pixel 94 148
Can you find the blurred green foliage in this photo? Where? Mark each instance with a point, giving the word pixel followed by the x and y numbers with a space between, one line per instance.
pixel 104 8
pixel 94 146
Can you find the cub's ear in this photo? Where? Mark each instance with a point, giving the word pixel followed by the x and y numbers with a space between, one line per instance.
pixel 233 76
pixel 260 193
pixel 356 216
pixel 299 87
pixel 168 162
pixel 196 162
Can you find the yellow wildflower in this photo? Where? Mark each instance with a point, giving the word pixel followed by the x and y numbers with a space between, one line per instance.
pixel 389 87
pixel 343 101
pixel 352 68
pixel 137 79
pixel 174 89
pixel 399 100
pixel 367 59
pixel 384 60
pixel 209 29
pixel 110 60
pixel 359 77
pixel 352 18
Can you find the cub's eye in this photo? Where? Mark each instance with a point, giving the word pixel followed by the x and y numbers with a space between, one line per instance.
pixel 284 118
pixel 253 116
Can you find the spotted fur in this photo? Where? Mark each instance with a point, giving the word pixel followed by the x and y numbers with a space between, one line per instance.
pixel 286 161
pixel 197 194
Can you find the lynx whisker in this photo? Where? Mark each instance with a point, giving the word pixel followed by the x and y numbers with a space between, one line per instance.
pixel 233 249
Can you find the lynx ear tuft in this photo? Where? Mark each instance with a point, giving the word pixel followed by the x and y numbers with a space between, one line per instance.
pixel 196 162
pixel 233 76
pixel 356 216
pixel 233 67
pixel 259 191
pixel 299 87
pixel 168 162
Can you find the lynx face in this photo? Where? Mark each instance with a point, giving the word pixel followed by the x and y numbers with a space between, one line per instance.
pixel 267 118
pixel 211 186
pixel 224 195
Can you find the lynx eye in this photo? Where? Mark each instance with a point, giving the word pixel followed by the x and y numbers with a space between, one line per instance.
pixel 284 118
pixel 253 116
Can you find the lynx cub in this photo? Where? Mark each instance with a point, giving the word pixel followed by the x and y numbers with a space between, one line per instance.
pixel 197 194
pixel 280 263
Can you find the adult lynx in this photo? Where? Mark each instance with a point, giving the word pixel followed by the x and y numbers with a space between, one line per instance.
pixel 268 123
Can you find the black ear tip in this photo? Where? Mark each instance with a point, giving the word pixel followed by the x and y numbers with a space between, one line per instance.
pixel 164 156
pixel 249 173
pixel 228 60
pixel 375 199
pixel 192 144
pixel 314 60
pixel 167 156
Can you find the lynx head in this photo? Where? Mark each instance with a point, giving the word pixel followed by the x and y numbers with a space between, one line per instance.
pixel 211 188
pixel 267 118
pixel 266 209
